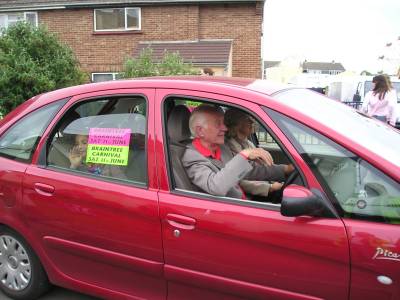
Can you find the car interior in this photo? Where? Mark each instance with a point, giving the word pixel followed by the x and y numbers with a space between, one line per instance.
pixel 117 112
pixel 357 189
pixel 177 113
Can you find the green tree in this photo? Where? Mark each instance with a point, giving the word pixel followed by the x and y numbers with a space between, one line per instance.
pixel 144 66
pixel 172 64
pixel 366 73
pixel 33 61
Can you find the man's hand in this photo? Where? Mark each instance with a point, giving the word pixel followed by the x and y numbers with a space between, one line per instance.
pixel 288 169
pixel 258 154
pixel 275 186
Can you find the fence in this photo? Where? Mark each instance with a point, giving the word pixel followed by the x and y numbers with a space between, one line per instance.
pixel 353 104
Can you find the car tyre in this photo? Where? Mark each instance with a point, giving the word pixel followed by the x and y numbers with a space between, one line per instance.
pixel 22 276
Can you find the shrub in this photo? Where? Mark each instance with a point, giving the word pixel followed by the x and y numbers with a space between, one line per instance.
pixel 144 66
pixel 33 61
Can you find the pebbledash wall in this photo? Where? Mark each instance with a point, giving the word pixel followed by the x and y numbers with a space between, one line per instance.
pixel 100 52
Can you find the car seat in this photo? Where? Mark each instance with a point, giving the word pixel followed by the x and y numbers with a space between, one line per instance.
pixel 137 162
pixel 179 136
pixel 62 143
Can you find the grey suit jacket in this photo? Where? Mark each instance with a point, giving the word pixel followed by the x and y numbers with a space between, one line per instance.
pixel 221 177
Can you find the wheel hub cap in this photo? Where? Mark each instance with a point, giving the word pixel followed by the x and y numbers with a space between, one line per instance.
pixel 15 265
pixel 13 262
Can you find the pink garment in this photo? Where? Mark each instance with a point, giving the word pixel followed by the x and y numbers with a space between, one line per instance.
pixel 385 107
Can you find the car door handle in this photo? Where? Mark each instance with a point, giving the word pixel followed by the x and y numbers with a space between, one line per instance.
pixel 181 222
pixel 44 189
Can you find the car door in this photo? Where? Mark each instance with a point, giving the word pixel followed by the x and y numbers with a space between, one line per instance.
pixel 368 201
pixel 218 247
pixel 17 145
pixel 98 222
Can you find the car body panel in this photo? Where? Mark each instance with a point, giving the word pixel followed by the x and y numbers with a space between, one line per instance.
pixel 90 237
pixel 92 221
pixel 119 241
pixel 235 249
pixel 375 253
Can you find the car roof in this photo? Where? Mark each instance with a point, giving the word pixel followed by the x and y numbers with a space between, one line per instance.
pixel 245 88
pixel 225 85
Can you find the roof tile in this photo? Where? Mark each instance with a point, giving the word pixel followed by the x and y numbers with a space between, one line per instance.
pixel 43 4
pixel 211 52
pixel 323 66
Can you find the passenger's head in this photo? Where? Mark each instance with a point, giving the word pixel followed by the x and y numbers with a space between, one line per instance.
pixel 382 85
pixel 207 123
pixel 240 125
pixel 81 142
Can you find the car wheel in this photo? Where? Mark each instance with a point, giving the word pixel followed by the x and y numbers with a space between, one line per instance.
pixel 21 273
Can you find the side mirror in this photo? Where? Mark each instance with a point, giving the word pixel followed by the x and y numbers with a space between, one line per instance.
pixel 300 201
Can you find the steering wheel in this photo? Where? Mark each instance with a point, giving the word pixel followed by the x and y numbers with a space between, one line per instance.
pixel 276 196
pixel 291 178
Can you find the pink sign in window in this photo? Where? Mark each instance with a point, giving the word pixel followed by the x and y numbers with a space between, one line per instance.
pixel 109 136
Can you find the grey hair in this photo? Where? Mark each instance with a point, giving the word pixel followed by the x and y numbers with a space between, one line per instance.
pixel 197 118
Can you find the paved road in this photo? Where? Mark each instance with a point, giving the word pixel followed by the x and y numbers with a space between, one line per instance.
pixel 57 293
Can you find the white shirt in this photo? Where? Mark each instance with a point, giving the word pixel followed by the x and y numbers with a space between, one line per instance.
pixel 385 107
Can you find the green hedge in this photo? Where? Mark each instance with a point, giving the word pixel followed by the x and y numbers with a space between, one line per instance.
pixel 33 61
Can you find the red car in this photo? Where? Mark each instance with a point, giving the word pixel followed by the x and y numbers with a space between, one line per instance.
pixel 94 197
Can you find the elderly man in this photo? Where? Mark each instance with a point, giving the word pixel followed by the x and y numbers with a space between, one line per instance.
pixel 211 165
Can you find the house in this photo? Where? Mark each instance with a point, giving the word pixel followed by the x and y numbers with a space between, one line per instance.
pixel 212 55
pixel 331 68
pixel 268 65
pixel 306 74
pixel 221 36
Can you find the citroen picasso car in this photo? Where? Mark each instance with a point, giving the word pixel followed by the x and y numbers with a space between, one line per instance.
pixel 94 197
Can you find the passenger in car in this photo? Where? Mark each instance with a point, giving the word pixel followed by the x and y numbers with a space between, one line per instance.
pixel 77 153
pixel 210 164
pixel 240 127
pixel 77 158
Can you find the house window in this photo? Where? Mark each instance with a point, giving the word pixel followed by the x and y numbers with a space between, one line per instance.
pixel 98 77
pixel 117 19
pixel 10 19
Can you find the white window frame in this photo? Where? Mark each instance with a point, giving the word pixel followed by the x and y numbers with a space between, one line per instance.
pixel 24 13
pixel 126 21
pixel 33 13
pixel 114 75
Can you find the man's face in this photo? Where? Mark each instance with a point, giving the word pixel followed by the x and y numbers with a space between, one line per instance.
pixel 214 131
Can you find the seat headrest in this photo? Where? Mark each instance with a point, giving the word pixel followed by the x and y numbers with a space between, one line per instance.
pixel 178 124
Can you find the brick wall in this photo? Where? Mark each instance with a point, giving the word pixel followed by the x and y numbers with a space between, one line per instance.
pixel 242 23
pixel 106 52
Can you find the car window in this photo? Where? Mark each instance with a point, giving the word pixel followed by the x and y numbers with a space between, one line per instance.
pixel 364 130
pixel 180 138
pixel 359 190
pixel 265 140
pixel 19 142
pixel 104 138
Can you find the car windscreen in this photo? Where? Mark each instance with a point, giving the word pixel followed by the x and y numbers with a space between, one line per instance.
pixel 363 130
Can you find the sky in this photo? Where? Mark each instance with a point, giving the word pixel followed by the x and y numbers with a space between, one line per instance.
pixel 353 32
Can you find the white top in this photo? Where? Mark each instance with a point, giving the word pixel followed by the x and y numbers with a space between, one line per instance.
pixel 385 107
